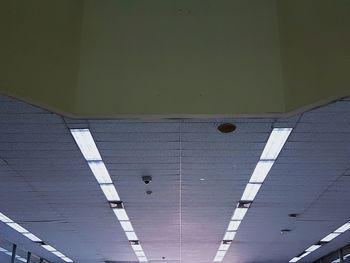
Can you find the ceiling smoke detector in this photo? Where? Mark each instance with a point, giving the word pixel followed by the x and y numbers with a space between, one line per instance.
pixel 147 179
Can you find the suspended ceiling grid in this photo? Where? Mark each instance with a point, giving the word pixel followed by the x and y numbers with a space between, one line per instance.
pixel 47 187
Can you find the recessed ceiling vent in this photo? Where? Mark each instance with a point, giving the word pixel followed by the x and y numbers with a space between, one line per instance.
pixel 226 127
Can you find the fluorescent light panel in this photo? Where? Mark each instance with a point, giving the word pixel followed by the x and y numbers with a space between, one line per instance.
pixel 86 144
pixel 239 213
pixel 233 226
pixel 275 143
pixel 131 235
pixel 137 247
pixel 100 172
pixel 49 248
pixel 18 228
pixel 110 192
pixel 126 225
pixel 58 254
pixel 139 253
pixel 261 171
pixel 224 246
pixel 229 236
pixel 32 237
pixel 330 237
pixel 218 258
pixel 121 214
pixel 295 259
pixel 66 259
pixel 343 228
pixel 142 259
pixel 304 254
pixel 5 219
pixel 251 190
pixel 221 253
pixel 313 248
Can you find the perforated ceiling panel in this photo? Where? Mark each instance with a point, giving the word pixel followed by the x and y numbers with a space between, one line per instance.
pixel 198 175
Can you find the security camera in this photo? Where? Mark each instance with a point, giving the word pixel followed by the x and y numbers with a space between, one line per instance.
pixel 147 179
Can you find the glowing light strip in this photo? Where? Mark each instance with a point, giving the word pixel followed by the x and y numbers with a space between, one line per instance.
pixel 8 221
pixel 272 149
pixel 5 251
pixel 342 229
pixel 88 148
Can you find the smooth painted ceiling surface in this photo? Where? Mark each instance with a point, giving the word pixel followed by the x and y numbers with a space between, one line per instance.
pixel 47 186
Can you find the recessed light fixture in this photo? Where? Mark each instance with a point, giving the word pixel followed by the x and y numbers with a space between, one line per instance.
pixel 239 213
pixel 224 246
pixel 139 253
pixel 32 237
pixel 88 148
pixel 18 228
pixel 330 237
pixel 142 259
pixel 304 254
pixel 121 214
pixel 126 225
pixel 295 259
pixel 261 170
pixel 136 247
pixel 226 127
pixel 312 248
pixel 233 226
pixel 49 248
pixel 229 236
pixel 131 235
pixel 275 143
pixel 66 259
pixel 86 144
pixel 272 149
pixel 342 229
pixel 251 190
pixel 5 219
pixel 58 254
pixel 100 172
pixel 110 192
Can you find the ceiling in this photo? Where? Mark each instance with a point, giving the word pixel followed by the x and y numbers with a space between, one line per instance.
pixel 47 186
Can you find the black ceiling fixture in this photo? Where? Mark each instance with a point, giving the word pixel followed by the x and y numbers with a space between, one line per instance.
pixel 293 215
pixel 285 231
pixel 226 127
